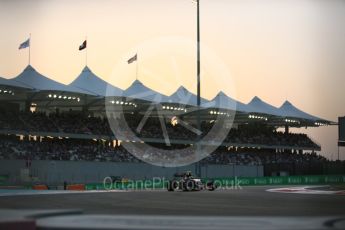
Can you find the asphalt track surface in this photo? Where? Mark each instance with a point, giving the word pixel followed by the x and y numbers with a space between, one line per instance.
pixel 249 201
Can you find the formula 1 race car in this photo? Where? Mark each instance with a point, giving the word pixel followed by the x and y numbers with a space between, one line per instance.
pixel 186 182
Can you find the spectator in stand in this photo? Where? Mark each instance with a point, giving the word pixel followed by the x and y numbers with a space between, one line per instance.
pixel 88 150
pixel 81 123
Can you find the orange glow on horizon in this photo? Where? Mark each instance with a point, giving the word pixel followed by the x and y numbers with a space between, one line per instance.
pixel 275 50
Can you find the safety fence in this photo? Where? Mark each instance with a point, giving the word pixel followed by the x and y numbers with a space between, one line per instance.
pixel 3 179
pixel 231 183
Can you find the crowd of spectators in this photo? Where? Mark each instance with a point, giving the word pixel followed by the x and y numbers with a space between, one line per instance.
pixel 79 123
pixel 89 150
pixel 65 150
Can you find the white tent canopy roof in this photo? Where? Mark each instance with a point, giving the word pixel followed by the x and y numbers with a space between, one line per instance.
pixel 139 91
pixel 35 80
pixel 256 105
pixel 289 110
pixel 184 97
pixel 223 101
pixel 89 82
pixel 9 82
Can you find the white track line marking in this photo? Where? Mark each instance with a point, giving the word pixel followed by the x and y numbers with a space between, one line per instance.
pixel 4 192
pixel 307 190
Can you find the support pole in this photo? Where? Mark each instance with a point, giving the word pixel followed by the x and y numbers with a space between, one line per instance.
pixel 137 68
pixel 30 49
pixel 198 63
pixel 198 147
pixel 86 51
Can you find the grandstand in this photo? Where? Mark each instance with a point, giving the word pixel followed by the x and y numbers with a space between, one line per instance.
pixel 42 119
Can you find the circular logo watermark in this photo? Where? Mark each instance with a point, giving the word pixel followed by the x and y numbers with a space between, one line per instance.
pixel 163 130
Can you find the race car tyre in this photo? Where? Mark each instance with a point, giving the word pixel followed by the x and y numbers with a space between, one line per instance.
pixel 210 186
pixel 190 185
pixel 172 185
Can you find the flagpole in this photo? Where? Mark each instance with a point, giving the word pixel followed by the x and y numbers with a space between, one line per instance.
pixel 198 147
pixel 137 67
pixel 198 61
pixel 86 51
pixel 29 48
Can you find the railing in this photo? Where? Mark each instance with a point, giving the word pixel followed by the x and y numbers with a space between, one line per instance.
pixel 318 144
pixel 156 140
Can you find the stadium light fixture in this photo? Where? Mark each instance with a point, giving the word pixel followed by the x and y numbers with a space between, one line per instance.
pixel 5 91
pixel 320 124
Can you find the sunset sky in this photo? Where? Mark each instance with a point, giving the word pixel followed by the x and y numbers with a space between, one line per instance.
pixel 274 49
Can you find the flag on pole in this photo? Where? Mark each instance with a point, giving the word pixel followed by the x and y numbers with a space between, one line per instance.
pixel 133 59
pixel 25 44
pixel 83 45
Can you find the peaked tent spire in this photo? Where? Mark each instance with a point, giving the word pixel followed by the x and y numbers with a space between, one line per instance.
pixel 223 101
pixel 90 82
pixel 139 91
pixel 35 80
pixel 289 110
pixel 256 105
pixel 183 96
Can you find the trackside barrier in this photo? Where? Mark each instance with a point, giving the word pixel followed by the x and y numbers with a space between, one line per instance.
pixel 3 179
pixel 137 185
pixel 40 187
pixel 158 183
pixel 76 187
pixel 287 180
